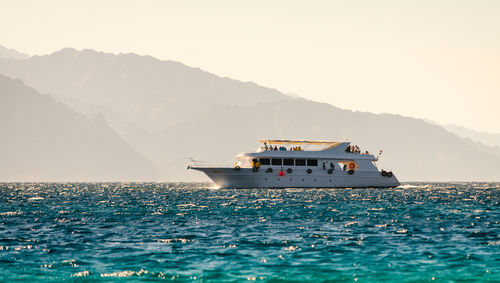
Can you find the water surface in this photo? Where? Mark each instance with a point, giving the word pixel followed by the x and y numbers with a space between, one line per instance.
pixel 190 232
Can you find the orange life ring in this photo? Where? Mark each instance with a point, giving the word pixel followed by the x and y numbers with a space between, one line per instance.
pixel 352 165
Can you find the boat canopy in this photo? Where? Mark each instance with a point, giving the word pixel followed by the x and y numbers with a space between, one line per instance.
pixel 326 144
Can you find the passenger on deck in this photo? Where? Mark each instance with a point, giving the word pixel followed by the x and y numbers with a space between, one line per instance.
pixel 348 149
pixel 275 148
pixel 324 166
pixel 331 165
pixel 265 146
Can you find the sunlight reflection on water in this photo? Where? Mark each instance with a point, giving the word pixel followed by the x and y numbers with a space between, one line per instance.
pixel 186 232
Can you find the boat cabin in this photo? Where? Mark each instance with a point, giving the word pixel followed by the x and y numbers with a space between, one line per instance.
pixel 283 154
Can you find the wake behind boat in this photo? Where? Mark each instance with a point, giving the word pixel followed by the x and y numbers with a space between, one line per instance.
pixel 301 164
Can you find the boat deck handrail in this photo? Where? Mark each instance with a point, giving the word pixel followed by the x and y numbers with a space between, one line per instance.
pixel 208 166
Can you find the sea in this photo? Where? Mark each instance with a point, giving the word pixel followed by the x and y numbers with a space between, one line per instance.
pixel 192 232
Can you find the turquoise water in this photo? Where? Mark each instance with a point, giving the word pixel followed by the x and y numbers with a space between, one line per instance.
pixel 189 232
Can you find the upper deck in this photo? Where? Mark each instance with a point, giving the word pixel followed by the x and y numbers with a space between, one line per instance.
pixel 298 145
pixel 308 149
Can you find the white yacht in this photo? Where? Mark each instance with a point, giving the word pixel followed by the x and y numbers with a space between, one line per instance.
pixel 301 164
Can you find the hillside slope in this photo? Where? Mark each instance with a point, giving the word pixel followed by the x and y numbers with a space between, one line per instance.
pixel 44 140
pixel 11 53
pixel 482 137
pixel 132 90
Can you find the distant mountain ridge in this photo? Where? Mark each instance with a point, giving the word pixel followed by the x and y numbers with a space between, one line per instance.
pixel 169 111
pixel 7 53
pixel 138 90
pixel 482 137
pixel 44 140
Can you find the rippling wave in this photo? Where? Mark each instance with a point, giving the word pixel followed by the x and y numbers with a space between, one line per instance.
pixel 192 232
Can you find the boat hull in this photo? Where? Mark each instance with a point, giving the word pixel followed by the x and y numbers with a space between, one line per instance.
pixel 225 177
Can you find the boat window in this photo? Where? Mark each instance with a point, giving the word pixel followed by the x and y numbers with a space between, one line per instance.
pixel 312 162
pixel 265 161
pixel 300 162
pixel 276 161
pixel 288 161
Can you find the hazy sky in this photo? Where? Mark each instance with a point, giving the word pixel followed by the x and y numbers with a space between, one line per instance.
pixel 428 59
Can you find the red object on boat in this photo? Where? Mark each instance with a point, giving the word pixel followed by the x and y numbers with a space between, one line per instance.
pixel 282 173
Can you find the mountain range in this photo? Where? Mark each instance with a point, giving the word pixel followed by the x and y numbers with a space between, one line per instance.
pixel 43 139
pixel 478 136
pixel 11 53
pixel 167 111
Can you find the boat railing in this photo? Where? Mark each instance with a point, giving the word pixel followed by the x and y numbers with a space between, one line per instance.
pixel 208 166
